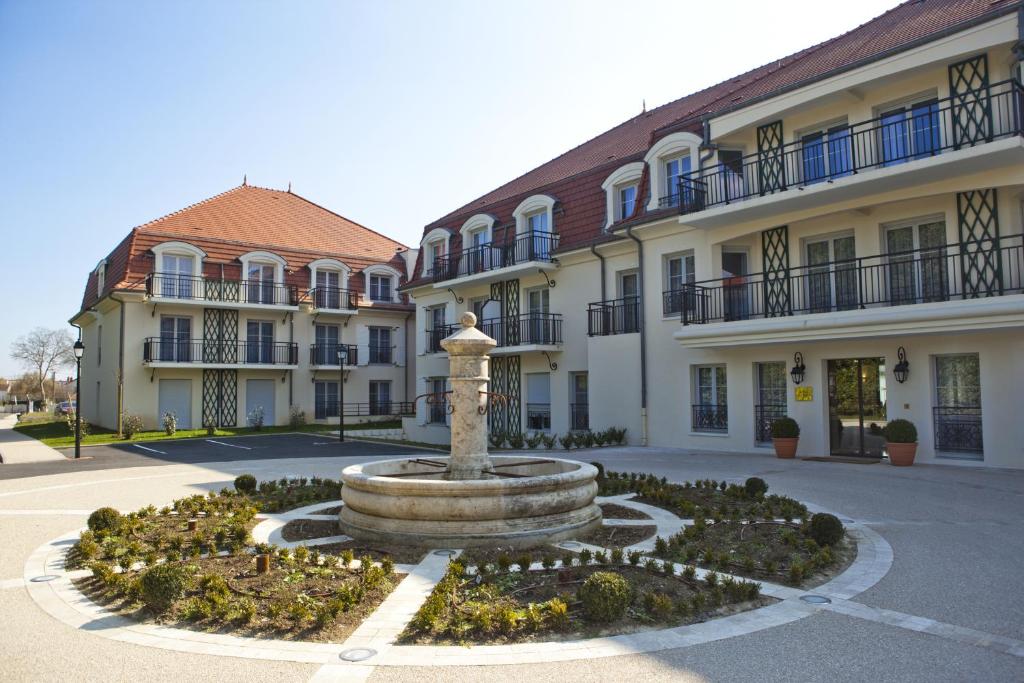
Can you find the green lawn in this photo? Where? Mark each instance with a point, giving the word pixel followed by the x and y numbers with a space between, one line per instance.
pixel 56 434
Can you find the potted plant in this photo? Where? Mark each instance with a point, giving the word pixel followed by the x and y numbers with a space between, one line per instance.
pixel 785 436
pixel 901 436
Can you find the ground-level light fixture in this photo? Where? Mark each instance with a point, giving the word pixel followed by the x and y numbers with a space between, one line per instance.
pixel 902 369
pixel 797 373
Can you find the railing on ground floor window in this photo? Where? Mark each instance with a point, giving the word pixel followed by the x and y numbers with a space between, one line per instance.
pixel 958 429
pixel 579 417
pixel 709 418
pixel 615 316
pixel 949 272
pixel 324 410
pixel 538 416
pixel 764 415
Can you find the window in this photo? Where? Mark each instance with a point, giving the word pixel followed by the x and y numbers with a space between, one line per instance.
pixel 380 397
pixel 770 398
pixel 436 251
pixel 918 269
pixel 438 329
pixel 176 276
pixel 627 201
pixel 579 409
pixel 101 279
pixel 437 401
pixel 539 326
pixel 380 288
pixel 831 274
pixel 679 272
pixel 259 342
pixel 674 170
pixel 175 339
pixel 325 399
pixel 380 345
pixel 328 289
pixel 957 411
pixel 910 132
pixel 538 401
pixel 736 291
pixel 99 345
pixel 325 352
pixel 730 167
pixel 710 404
pixel 826 153
pixel 260 278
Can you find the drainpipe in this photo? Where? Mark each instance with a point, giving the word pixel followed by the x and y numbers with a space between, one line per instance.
pixel 120 366
pixel 643 336
pixel 408 362
pixel 593 250
pixel 706 144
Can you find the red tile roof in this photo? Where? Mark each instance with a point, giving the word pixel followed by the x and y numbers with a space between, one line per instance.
pixel 244 219
pixel 898 29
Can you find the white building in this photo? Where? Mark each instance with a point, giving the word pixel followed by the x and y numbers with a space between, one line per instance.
pixel 776 244
pixel 242 303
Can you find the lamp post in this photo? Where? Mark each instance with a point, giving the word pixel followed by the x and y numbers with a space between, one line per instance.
pixel 79 349
pixel 342 357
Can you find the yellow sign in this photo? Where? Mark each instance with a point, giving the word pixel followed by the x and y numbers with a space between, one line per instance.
pixel 804 393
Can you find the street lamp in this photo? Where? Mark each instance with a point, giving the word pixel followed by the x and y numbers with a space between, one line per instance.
pixel 342 357
pixel 79 349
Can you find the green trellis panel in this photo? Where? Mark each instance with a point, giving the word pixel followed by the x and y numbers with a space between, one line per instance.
pixel 771 168
pixel 505 416
pixel 981 269
pixel 775 251
pixel 970 101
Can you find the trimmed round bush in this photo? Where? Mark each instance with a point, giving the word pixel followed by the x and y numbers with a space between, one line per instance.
pixel 161 585
pixel 605 596
pixel 246 483
pixel 825 529
pixel 104 520
pixel 785 428
pixel 755 487
pixel 900 431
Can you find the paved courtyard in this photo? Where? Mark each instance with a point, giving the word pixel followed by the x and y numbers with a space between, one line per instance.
pixel 948 608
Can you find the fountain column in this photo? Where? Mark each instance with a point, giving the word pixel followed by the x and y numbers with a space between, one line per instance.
pixel 468 372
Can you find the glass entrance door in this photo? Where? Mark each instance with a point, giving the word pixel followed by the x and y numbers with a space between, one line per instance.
pixel 857 406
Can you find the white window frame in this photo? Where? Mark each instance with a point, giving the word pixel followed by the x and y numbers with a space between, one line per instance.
pixel 670 147
pixel 179 249
pixel 385 271
pixel 329 265
pixel 430 241
pixel 623 176
pixel 531 206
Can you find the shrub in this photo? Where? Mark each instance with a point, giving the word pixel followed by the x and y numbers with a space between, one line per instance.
pixel 755 487
pixel 558 613
pixel 104 520
pixel 785 428
pixel 634 557
pixel 600 470
pixel 211 430
pixel 617 556
pixel 504 562
pixel 170 422
pixel 567 440
pixel 296 418
pixel 496 439
pixel 600 439
pixel 516 441
pixel 534 440
pixel 547 562
pixel 658 605
pixel 585 440
pixel 246 483
pixel 825 529
pixel 900 431
pixel 256 418
pixel 548 440
pixel 524 562
pixel 131 425
pixel 161 585
pixel 69 418
pixel 605 596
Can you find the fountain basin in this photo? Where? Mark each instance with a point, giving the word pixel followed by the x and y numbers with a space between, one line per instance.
pixel 537 500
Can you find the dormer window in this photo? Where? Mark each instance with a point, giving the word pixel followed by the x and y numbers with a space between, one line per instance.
pixel 436 251
pixel 536 238
pixel 380 288
pixel 627 201
pixel 674 170
pixel 264 278
pixel 538 222
pixel 670 160
pixel 622 192
pixel 101 278
pixel 178 270
pixel 329 280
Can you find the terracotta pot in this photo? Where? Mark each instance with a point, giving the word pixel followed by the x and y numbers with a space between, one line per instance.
pixel 902 454
pixel 785 448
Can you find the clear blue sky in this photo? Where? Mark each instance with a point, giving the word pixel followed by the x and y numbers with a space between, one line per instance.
pixel 391 113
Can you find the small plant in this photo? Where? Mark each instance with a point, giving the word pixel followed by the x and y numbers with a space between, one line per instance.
pixel 825 529
pixel 516 441
pixel 161 585
pixel 600 557
pixel 256 418
pixel 586 556
pixel 69 419
pixel 131 425
pixel 658 605
pixel 558 613
pixel 547 562
pixel 170 422
pixel 585 439
pixel 104 520
pixel 660 546
pixel 496 439
pixel 600 439
pixel 567 440
pixel 568 559
pixel 755 487
pixel 617 556
pixel 246 483
pixel 524 561
pixel 900 431
pixel 534 440
pixel 504 562
pixel 211 430
pixel 605 596
pixel 548 440
pixel 296 418
pixel 785 428
pixel 634 557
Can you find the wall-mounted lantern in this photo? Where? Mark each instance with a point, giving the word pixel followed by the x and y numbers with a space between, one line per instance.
pixel 797 373
pixel 902 369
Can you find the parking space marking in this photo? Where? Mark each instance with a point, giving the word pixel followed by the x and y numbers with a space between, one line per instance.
pixel 151 450
pixel 229 445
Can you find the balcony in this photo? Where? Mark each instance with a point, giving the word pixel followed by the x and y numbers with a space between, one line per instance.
pixel 157 351
pixel 334 299
pixel 326 355
pixel 616 316
pixel 527 332
pixel 488 262
pixel 329 409
pixel 911 146
pixel 231 293
pixel 810 302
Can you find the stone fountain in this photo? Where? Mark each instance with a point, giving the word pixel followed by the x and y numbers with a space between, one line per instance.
pixel 469 498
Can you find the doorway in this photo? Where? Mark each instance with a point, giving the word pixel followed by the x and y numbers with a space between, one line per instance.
pixel 857 407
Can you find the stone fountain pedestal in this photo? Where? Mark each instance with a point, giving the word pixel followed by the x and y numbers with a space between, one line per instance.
pixel 469 498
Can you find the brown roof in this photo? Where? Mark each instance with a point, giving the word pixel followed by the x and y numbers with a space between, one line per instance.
pixel 898 29
pixel 244 219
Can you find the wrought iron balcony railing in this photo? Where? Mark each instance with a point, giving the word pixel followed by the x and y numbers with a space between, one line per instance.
pixel 333 298
pixel 381 354
pixel 187 287
pixel 219 352
pixel 958 429
pixel 709 418
pixel 538 416
pixel 529 246
pixel 327 354
pixel 915 132
pixel 528 328
pixel 971 270
pixel 329 409
pixel 615 316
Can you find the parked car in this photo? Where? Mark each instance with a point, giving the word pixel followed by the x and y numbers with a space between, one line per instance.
pixel 67 407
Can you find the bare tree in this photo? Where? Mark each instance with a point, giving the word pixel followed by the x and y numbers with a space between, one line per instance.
pixel 43 352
